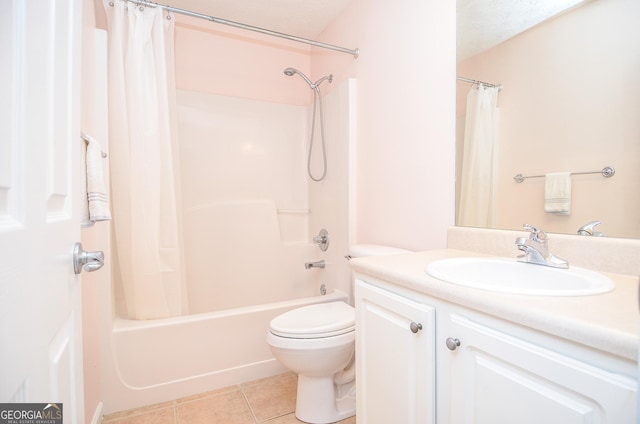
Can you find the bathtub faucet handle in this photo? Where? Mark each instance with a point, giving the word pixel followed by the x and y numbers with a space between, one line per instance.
pixel 322 240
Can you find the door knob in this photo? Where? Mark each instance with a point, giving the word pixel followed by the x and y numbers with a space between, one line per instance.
pixel 89 261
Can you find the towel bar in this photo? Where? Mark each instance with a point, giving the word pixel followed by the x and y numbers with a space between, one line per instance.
pixel 607 172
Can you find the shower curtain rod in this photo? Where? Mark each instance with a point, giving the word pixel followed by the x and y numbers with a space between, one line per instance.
pixel 472 81
pixel 354 52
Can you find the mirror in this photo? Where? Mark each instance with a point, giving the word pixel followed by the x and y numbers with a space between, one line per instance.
pixel 570 103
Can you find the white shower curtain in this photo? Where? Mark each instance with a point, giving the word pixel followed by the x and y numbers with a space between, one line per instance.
pixel 142 125
pixel 479 162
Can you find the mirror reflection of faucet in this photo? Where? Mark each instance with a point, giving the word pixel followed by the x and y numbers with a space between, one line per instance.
pixel 536 250
pixel 588 229
pixel 317 264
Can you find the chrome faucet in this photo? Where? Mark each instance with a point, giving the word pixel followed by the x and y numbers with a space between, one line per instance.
pixel 536 250
pixel 588 229
pixel 317 264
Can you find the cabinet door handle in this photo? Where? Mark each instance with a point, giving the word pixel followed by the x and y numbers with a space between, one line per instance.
pixel 415 327
pixel 452 344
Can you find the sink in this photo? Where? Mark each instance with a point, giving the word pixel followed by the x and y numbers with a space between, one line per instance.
pixel 511 276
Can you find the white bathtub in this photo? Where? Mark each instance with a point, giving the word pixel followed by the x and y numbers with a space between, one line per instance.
pixel 160 360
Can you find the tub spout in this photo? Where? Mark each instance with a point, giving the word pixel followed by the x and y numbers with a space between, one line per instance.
pixel 317 264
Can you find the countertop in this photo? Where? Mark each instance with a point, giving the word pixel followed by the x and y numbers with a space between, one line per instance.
pixel 608 322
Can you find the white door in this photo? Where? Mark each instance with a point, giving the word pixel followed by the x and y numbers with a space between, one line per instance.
pixel 40 146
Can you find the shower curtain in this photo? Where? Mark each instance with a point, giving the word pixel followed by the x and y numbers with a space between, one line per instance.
pixel 479 161
pixel 143 159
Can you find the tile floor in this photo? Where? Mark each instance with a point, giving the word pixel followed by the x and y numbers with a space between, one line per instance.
pixel 271 400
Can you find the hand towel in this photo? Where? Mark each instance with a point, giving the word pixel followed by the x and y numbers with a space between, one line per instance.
pixel 557 193
pixel 97 195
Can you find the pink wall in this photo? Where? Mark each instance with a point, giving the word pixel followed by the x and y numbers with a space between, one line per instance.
pixel 405 75
pixel 405 106
pixel 571 102
pixel 223 60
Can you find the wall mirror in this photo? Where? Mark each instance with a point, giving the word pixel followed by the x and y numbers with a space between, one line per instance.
pixel 570 102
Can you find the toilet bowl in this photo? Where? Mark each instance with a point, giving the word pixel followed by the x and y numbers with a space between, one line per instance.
pixel 317 342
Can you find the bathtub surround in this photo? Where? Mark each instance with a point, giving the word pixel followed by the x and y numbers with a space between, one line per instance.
pixel 153 361
pixel 248 232
pixel 142 140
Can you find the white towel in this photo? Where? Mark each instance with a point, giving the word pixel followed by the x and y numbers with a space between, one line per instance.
pixel 97 195
pixel 557 193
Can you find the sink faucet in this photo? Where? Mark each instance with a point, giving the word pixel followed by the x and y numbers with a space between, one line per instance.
pixel 317 264
pixel 588 229
pixel 536 250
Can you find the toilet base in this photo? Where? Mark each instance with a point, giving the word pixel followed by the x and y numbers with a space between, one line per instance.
pixel 319 401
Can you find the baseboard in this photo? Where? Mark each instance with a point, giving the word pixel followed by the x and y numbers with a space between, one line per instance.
pixel 97 415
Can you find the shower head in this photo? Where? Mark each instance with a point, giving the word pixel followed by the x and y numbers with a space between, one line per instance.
pixel 290 71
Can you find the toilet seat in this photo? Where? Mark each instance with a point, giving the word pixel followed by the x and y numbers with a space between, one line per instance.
pixel 315 321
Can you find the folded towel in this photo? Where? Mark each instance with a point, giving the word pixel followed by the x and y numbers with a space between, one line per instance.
pixel 557 193
pixel 97 195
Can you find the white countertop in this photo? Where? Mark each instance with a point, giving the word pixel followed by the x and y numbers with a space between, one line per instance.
pixel 608 322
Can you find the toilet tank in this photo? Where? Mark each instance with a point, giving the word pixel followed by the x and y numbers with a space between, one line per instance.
pixel 365 250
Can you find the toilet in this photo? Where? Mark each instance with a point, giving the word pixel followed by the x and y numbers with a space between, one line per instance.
pixel 317 342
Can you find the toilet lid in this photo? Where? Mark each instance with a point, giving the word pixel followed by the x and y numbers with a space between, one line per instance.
pixel 315 321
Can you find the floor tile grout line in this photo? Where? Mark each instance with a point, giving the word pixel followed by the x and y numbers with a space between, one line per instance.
pixel 246 399
pixel 137 412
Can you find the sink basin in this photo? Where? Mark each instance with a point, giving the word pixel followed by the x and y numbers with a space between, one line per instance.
pixel 511 276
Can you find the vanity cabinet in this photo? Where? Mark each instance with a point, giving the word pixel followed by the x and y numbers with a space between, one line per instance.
pixel 489 370
pixel 395 358
pixel 500 377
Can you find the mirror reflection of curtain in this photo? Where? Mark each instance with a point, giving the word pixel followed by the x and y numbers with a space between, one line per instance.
pixel 477 186
pixel 142 120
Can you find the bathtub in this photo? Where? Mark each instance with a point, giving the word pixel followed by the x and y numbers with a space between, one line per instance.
pixel 160 360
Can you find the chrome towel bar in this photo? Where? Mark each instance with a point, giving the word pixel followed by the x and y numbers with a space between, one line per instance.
pixel 607 172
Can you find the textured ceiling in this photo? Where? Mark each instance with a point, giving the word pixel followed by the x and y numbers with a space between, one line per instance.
pixel 481 23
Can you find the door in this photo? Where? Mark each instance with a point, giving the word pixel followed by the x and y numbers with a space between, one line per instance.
pixel 40 151
pixel 395 358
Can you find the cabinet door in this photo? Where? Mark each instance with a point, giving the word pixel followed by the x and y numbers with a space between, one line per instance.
pixel 395 358
pixel 496 378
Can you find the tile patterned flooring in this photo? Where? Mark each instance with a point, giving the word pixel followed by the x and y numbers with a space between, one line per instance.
pixel 270 400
